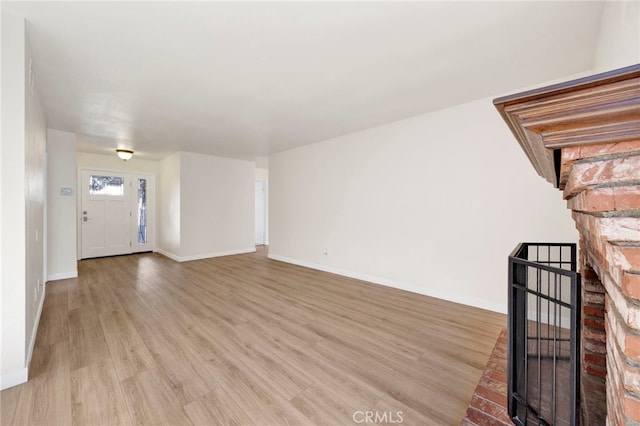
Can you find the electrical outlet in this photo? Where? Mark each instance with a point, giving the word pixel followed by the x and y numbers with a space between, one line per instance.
pixel 325 251
pixel 35 294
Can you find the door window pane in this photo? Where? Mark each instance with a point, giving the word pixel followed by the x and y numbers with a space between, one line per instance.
pixel 106 185
pixel 142 211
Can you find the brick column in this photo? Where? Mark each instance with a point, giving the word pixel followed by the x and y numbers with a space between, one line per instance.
pixel 592 345
pixel 602 186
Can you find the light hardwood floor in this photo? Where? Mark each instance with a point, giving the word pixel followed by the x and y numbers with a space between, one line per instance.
pixel 245 340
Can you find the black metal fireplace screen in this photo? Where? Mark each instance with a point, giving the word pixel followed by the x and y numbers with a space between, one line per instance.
pixel 543 351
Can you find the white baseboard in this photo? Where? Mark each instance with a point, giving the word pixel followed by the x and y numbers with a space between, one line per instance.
pixel 11 378
pixel 204 255
pixel 478 303
pixel 62 276
pixel 167 254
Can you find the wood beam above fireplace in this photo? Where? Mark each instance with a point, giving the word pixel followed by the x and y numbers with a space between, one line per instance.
pixel 603 108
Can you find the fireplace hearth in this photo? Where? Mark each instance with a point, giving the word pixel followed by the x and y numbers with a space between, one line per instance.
pixel 583 137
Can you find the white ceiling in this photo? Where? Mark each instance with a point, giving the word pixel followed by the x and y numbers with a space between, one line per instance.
pixel 245 80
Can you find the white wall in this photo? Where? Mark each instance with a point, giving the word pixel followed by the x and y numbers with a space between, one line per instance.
pixel 35 194
pixel 263 175
pixel 217 206
pixel 169 205
pixel 112 162
pixel 23 196
pixel 13 202
pixel 206 206
pixel 61 209
pixel 619 39
pixel 433 204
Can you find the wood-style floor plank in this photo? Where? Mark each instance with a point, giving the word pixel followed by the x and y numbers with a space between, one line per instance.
pixel 152 400
pixel 87 343
pixel 259 400
pixel 46 398
pixel 96 396
pixel 322 407
pixel 217 408
pixel 128 352
pixel 8 402
pixel 245 340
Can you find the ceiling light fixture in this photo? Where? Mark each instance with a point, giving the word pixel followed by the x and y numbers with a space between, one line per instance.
pixel 124 154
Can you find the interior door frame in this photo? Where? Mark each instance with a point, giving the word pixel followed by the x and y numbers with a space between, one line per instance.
pixel 152 201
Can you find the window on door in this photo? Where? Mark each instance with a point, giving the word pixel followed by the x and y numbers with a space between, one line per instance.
pixel 142 211
pixel 106 185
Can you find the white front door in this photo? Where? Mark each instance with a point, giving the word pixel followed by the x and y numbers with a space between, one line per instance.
pixel 116 213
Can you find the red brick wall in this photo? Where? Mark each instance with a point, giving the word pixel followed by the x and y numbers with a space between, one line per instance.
pixel 601 184
pixel 592 345
pixel 593 331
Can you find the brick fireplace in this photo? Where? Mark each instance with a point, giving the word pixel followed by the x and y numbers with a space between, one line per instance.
pixel 583 136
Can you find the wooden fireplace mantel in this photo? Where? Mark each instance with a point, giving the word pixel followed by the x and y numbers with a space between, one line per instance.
pixel 603 108
pixel 583 136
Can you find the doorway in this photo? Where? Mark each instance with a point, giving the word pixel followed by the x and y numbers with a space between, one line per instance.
pixel 261 212
pixel 117 213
